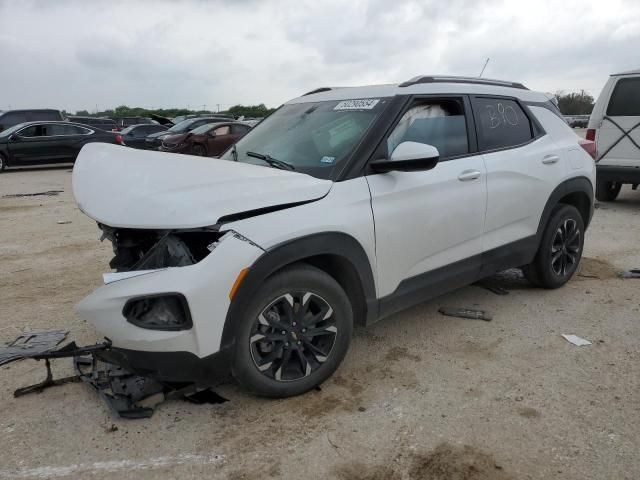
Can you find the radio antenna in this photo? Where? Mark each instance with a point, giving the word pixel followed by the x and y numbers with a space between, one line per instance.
pixel 485 66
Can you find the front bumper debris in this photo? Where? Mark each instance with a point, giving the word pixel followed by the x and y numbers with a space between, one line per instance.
pixel 127 394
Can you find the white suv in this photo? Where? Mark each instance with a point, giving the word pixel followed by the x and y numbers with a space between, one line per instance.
pixel 615 127
pixel 345 205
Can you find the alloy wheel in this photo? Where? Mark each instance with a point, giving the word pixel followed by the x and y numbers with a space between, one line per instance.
pixel 565 248
pixel 293 336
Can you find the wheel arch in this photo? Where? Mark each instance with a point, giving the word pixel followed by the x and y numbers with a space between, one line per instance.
pixel 578 192
pixel 338 254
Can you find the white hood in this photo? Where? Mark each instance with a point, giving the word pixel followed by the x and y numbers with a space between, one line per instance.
pixel 122 187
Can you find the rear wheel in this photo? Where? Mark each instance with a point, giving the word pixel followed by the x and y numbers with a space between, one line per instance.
pixel 607 191
pixel 560 249
pixel 3 163
pixel 294 333
pixel 199 150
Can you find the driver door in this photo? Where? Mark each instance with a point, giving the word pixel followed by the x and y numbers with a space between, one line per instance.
pixel 219 140
pixel 429 224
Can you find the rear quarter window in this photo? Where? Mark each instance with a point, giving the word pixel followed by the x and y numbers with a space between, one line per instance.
pixel 501 123
pixel 625 99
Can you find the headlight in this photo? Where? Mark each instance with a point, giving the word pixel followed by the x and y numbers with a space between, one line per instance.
pixel 168 311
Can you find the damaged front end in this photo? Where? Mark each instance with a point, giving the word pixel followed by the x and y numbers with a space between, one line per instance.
pixel 136 249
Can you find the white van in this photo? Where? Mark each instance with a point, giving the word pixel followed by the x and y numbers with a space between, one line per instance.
pixel 615 127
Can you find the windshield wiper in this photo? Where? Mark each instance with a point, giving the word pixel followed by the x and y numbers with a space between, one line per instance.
pixel 234 151
pixel 274 162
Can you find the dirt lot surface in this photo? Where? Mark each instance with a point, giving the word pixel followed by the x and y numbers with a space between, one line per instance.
pixel 420 395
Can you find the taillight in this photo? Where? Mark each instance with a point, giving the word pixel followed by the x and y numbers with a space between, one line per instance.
pixel 589 147
pixel 119 139
pixel 591 134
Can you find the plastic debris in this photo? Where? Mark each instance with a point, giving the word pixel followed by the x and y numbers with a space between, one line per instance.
pixel 28 344
pixel 632 273
pixel 576 340
pixel 48 193
pixel 466 313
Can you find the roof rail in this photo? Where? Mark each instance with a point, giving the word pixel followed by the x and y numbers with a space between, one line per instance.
pixel 452 79
pixel 317 90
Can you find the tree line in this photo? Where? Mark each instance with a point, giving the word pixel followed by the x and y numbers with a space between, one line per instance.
pixel 574 103
pixel 258 111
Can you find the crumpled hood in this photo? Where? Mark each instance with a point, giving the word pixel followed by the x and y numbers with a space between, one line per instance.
pixel 122 187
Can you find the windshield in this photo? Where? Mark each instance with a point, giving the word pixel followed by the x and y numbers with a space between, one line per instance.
pixel 202 129
pixel 181 127
pixel 11 130
pixel 312 137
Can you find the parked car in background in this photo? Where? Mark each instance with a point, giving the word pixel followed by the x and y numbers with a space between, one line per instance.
pixel 208 140
pixel 154 140
pixel 48 142
pixel 135 135
pixel 102 123
pixel 577 121
pixel 10 118
pixel 615 127
pixel 125 122
pixel 341 208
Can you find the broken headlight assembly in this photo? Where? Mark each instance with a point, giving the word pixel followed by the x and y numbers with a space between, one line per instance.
pixel 168 311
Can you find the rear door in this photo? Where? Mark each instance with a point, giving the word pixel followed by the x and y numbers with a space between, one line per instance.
pixel 523 165
pixel 618 138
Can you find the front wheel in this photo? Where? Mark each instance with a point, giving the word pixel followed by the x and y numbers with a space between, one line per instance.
pixel 294 333
pixel 3 163
pixel 199 150
pixel 560 249
pixel 607 191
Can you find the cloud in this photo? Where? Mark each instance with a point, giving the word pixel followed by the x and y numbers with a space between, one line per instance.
pixel 75 54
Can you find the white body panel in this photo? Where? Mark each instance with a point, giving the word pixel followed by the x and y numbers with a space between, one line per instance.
pixel 426 220
pixel 123 187
pixel 346 209
pixel 205 285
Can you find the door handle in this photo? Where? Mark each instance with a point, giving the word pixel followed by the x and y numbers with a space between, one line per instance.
pixel 468 175
pixel 550 159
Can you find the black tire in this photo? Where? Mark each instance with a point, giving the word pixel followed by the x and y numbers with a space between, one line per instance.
pixel 607 191
pixel 260 341
pixel 199 150
pixel 560 249
pixel 3 163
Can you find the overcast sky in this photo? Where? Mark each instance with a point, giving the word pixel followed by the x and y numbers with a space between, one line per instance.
pixel 76 54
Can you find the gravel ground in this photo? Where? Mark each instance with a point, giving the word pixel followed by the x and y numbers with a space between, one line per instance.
pixel 420 395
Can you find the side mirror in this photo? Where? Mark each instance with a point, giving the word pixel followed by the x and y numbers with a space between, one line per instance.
pixel 14 137
pixel 409 157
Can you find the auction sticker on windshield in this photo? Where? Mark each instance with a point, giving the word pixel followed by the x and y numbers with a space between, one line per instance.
pixel 364 104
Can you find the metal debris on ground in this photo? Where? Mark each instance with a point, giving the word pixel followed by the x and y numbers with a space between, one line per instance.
pixel 48 193
pixel 466 313
pixel 632 273
pixel 576 340
pixel 492 287
pixel 63 222
pixel 28 344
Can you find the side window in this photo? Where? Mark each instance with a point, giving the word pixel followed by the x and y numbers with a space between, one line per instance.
pixel 222 131
pixel 13 118
pixel 32 131
pixel 438 123
pixel 71 130
pixel 501 123
pixel 625 99
pixel 240 129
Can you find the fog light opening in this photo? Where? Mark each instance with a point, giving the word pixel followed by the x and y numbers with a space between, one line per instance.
pixel 159 312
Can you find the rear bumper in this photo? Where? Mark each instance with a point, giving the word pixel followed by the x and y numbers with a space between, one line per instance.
pixel 612 173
